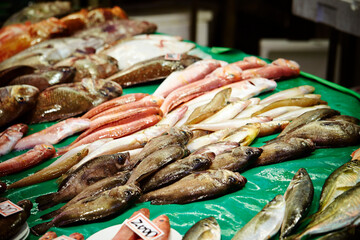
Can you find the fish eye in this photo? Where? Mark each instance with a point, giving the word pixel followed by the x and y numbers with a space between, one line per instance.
pixel 20 99
pixel 232 179
pixel 249 152
pixel 104 92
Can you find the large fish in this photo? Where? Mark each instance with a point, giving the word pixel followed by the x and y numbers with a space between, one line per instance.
pixel 89 173
pixel 298 198
pixel 151 70
pixel 205 229
pixel 15 101
pixel 197 186
pixel 107 203
pixel 11 136
pixel 266 223
pixel 68 100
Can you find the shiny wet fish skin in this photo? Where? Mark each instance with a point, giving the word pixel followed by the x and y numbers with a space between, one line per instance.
pixel 205 229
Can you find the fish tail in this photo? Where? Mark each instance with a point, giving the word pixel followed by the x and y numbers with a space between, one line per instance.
pixel 50 214
pixel 46 201
pixel 41 228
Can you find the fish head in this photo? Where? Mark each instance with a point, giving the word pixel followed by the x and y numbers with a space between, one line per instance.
pixel 234 178
pixel 202 161
pixel 132 191
pixel 184 134
pixel 249 152
pixel 121 159
pixel 108 89
pixel 277 202
pixel 24 94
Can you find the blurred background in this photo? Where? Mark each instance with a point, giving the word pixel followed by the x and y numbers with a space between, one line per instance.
pixel 323 36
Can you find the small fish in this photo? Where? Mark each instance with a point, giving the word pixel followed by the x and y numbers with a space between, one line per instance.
pixel 151 70
pixel 298 198
pixel 272 127
pixel 27 160
pixel 266 223
pixel 236 159
pixel 244 135
pixel 290 112
pixel 284 150
pixel 89 173
pixel 217 147
pixel 110 202
pixel 177 170
pixel 197 143
pixel 16 101
pixel 288 93
pixel 11 136
pixel 196 186
pixel 205 229
pixel 289 116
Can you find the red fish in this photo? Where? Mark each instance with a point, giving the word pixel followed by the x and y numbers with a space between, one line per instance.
pixel 29 159
pixel 11 136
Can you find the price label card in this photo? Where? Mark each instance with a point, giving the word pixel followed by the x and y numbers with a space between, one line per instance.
pixel 143 227
pixel 173 56
pixel 63 237
pixel 8 208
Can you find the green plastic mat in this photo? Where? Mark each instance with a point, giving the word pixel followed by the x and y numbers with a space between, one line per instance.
pixel 234 210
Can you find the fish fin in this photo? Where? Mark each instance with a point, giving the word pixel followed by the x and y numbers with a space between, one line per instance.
pixel 50 215
pixel 345 188
pixel 46 201
pixel 41 228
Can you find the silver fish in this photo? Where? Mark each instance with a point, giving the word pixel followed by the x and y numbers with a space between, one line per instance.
pixel 205 229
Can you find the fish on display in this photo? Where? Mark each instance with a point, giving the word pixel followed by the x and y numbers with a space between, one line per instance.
pixel 236 159
pixel 15 101
pixel 110 202
pixel 11 73
pixel 177 170
pixel 151 70
pixel 196 186
pixel 10 136
pixel 346 118
pixel 266 223
pixel 68 100
pixel 349 233
pixel 205 229
pixel 298 198
pixel 12 224
pixel 288 93
pixel 89 173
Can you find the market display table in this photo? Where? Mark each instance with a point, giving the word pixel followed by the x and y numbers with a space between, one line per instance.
pixel 234 210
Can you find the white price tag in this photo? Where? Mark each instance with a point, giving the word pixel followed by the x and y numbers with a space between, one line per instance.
pixel 143 227
pixel 8 208
pixel 173 56
pixel 63 237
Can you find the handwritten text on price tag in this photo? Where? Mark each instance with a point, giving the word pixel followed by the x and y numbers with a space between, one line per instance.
pixel 8 208
pixel 143 227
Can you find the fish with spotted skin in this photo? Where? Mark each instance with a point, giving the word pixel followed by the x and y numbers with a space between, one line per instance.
pixel 205 229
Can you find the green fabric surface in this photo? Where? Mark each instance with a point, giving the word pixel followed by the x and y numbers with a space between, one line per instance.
pixel 234 210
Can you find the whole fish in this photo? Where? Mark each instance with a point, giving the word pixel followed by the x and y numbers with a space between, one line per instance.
pixel 110 202
pixel 197 143
pixel 15 101
pixel 244 135
pixel 236 159
pixel 342 212
pixel 329 133
pixel 177 170
pixel 206 228
pixel 12 224
pixel 197 186
pixel 340 180
pixel 344 118
pixel 68 100
pixel 155 161
pixel 284 150
pixel 296 113
pixel 54 134
pixel 151 70
pixel 272 127
pixel 105 184
pixel 217 147
pixel 298 198
pixel 11 136
pixel 266 223
pixel 288 93
pixel 228 112
pixel 29 159
pixel 89 173
pixel 50 172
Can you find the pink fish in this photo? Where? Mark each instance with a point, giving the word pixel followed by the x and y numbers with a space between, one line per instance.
pixel 54 134
pixel 11 136
pixel 29 159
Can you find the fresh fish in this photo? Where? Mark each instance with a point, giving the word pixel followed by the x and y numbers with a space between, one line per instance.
pixel 298 198
pixel 12 224
pixel 151 70
pixel 236 159
pixel 9 74
pixel 15 101
pixel 356 155
pixel 163 223
pixel 245 134
pixel 196 186
pixel 11 136
pixel 217 103
pixel 296 113
pixel 228 112
pixel 192 73
pixel 266 223
pixel 329 133
pixel 348 233
pixel 27 160
pixel 197 143
pixel 89 173
pixel 288 93
pixel 177 170
pixel 110 202
pixel 272 127
pixel 249 111
pixel 339 181
pixel 284 150
pixel 68 100
pixel 216 148
pixel 127 52
pixel 96 66
pixel 308 117
pixel 98 187
pixel 342 212
pixel 155 161
pixel 54 134
pixel 206 228
pixel 50 172
pixel 344 118
pixel 290 111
